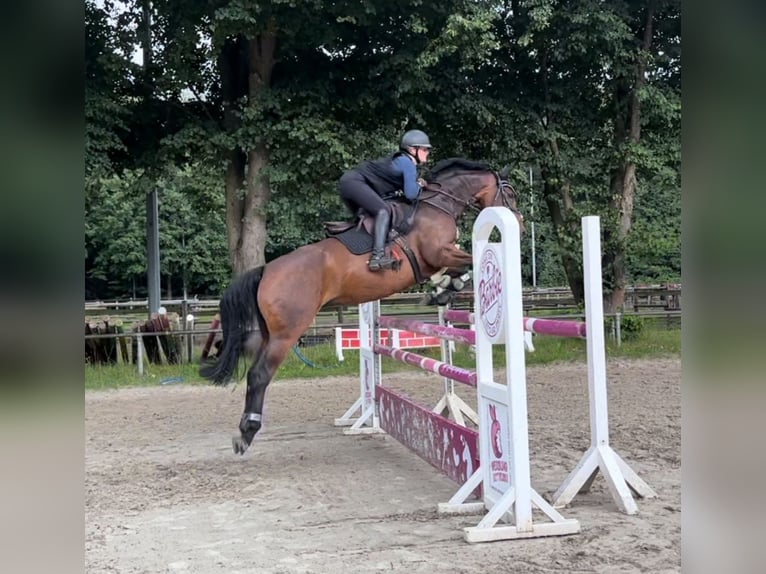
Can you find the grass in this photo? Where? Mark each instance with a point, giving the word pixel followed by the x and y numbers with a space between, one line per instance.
pixel 112 377
pixel 652 342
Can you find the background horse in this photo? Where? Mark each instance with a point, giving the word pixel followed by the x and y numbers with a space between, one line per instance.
pixel 265 310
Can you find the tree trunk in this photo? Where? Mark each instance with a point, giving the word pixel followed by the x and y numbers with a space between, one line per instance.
pixel 627 132
pixel 558 199
pixel 250 251
pixel 553 195
pixel 247 188
pixel 235 201
pixel 232 64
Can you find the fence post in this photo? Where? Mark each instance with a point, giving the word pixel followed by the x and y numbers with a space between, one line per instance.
pixel 189 326
pixel 184 315
pixel 617 333
pixel 140 353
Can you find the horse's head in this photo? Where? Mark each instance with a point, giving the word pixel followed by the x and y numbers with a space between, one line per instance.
pixel 459 184
pixel 504 195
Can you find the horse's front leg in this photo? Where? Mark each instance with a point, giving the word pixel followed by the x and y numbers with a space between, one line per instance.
pixel 454 259
pixel 447 283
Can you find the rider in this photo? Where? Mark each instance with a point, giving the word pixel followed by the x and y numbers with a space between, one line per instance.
pixel 366 184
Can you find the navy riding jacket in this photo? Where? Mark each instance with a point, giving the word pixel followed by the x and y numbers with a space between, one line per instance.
pixel 391 173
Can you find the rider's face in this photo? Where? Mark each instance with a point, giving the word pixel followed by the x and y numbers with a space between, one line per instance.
pixel 422 154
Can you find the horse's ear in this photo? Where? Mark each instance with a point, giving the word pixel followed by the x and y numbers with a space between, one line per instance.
pixel 505 172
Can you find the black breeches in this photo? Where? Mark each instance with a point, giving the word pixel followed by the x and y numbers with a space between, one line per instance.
pixel 356 192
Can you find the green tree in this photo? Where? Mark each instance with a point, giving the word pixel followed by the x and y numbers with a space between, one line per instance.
pixel 597 86
pixel 308 89
pixel 193 239
pixel 266 103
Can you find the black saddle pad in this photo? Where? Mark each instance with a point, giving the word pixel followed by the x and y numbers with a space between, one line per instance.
pixel 357 241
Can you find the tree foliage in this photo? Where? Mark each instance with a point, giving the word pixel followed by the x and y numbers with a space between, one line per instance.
pixel 244 114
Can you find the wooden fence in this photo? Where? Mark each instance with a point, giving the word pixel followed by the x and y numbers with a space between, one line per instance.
pixel 638 298
pixel 188 327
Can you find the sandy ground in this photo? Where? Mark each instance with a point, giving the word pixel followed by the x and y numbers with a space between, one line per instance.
pixel 165 493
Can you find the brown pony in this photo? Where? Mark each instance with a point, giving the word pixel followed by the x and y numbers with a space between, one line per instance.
pixel 265 310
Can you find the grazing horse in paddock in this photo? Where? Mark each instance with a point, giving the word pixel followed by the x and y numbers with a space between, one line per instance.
pixel 265 310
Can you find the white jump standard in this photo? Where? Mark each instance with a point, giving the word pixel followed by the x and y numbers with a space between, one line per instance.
pixel 600 456
pixel 503 472
pixel 503 434
pixel 494 462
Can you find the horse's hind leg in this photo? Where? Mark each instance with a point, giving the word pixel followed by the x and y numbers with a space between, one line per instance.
pixel 259 376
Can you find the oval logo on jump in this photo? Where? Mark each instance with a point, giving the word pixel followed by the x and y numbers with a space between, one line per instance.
pixel 490 292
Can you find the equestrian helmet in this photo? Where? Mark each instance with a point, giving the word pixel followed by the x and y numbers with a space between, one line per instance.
pixel 415 138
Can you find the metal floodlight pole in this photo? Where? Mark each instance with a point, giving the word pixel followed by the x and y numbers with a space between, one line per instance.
pixel 532 217
pixel 153 252
pixel 152 211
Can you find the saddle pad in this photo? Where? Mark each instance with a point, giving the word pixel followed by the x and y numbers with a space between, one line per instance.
pixel 355 240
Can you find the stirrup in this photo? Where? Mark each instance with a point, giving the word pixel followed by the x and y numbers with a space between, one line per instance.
pixel 383 262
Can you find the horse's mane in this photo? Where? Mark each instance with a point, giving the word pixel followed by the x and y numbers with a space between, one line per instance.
pixel 455 164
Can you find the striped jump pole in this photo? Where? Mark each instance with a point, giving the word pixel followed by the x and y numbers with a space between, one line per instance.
pixel 427 364
pixel 450 404
pixel 465 336
pixel 541 326
pixel 458 316
pixel 555 327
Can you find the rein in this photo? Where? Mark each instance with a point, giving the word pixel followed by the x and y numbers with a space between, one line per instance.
pixel 437 189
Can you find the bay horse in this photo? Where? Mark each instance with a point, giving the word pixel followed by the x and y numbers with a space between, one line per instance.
pixel 283 297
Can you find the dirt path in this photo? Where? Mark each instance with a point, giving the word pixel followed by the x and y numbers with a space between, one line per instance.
pixel 164 492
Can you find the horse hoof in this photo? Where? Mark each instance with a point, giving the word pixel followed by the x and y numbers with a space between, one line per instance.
pixel 239 445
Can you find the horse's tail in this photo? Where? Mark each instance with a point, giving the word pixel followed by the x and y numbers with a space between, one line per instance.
pixel 239 312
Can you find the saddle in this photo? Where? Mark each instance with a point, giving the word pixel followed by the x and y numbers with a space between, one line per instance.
pixel 357 234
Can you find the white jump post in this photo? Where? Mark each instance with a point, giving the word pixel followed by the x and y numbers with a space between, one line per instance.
pixel 370 375
pixel 504 471
pixel 600 456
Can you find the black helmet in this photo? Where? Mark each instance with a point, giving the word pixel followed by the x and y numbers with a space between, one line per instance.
pixel 415 138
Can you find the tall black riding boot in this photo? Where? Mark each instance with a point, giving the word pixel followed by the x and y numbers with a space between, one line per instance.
pixel 379 259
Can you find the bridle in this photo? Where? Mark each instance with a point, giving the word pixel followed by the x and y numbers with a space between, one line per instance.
pixel 504 189
pixel 507 196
